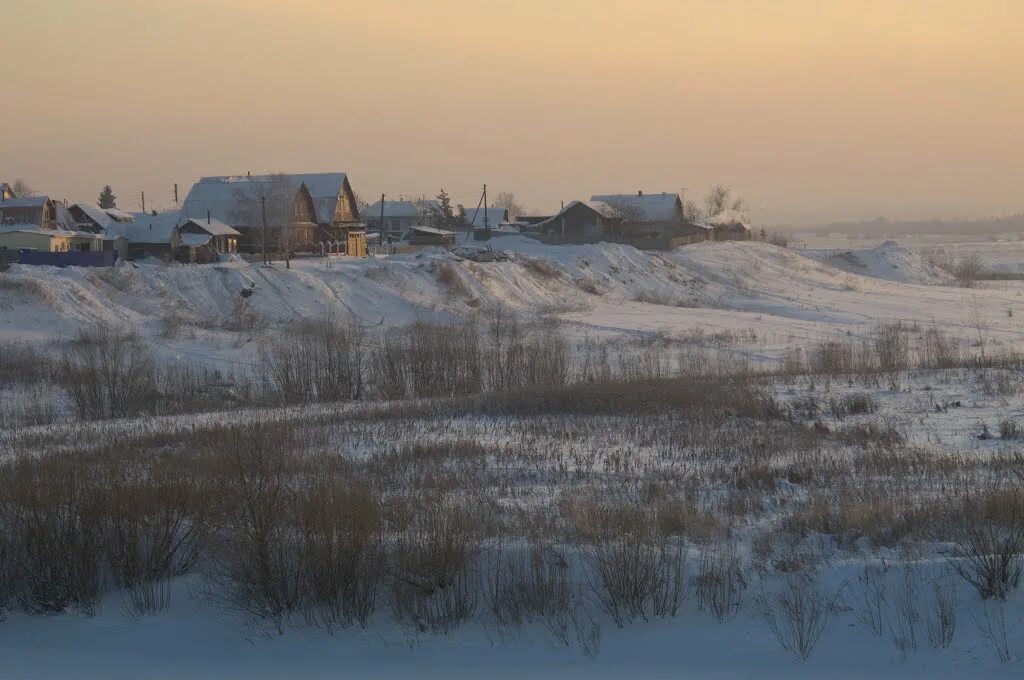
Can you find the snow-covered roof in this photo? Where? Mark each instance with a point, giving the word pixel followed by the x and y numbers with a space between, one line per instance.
pixel 392 209
pixel 432 230
pixel 213 227
pixel 96 214
pixel 195 240
pixel 147 228
pixel 65 220
pixel 219 197
pixel 495 216
pixel 662 207
pixel 27 202
pixel 604 209
pixel 219 194
pixel 119 215
pixel 31 229
pixel 601 208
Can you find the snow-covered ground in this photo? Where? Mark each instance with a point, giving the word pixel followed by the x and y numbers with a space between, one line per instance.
pixel 783 297
pixel 196 641
pixel 746 300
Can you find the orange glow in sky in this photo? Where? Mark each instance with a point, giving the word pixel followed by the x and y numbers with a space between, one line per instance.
pixel 813 110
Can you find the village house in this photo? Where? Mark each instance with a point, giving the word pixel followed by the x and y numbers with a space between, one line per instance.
pixel 149 235
pixel 316 211
pixel 478 218
pixel 37 210
pixel 578 222
pixel 40 224
pixel 203 241
pixel 652 221
pixel 260 208
pixel 393 218
pixel 6 192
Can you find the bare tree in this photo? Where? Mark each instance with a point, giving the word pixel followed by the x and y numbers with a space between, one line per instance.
pixel 721 198
pixel 693 212
pixel 269 208
pixel 508 201
pixel 627 211
pixel 22 189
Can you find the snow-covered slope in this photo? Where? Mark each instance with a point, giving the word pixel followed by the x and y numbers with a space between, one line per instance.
pixel 781 295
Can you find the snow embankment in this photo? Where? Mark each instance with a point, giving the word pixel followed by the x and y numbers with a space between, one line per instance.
pixel 213 310
pixel 889 261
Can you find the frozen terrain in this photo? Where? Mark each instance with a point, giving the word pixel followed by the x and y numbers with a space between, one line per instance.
pixel 753 308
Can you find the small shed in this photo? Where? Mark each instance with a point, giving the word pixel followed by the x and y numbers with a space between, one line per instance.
pixel 430 236
pixel 730 225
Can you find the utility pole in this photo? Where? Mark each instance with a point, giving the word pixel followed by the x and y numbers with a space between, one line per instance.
pixel 175 193
pixel 263 206
pixel 486 225
pixel 381 226
pixel 143 202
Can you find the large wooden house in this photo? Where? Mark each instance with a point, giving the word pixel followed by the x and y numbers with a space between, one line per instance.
pixel 270 212
pixel 311 210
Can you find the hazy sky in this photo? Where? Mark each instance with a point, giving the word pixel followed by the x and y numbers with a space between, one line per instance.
pixel 813 110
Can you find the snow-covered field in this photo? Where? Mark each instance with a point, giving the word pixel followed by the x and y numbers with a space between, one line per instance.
pixel 750 306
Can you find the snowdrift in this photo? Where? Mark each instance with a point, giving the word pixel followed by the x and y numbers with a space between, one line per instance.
pixel 889 261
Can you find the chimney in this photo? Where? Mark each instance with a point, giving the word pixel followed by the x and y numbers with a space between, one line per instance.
pixel 248 174
pixel 208 217
pixel 640 193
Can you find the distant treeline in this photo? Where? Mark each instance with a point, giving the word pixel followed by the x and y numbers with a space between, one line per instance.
pixel 886 227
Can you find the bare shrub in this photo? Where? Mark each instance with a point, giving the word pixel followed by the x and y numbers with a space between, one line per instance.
pixel 891 349
pixel 720 581
pixel 632 572
pixel 991 542
pixel 940 612
pixel 152 530
pixel 30 404
pixel 798 614
pixel 54 538
pixel 342 554
pixel 872 603
pixel 254 567
pixel 109 374
pixel 851 404
pixel 1011 429
pixel 540 267
pixel 832 358
pixel 905 617
pixel 23 364
pixel 319 359
pixel 428 360
pixel 939 350
pixel 531 585
pixel 992 626
pixel 968 269
pixel 449 275
pixel 435 583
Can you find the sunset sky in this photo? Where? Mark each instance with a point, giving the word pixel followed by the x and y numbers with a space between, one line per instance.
pixel 815 111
